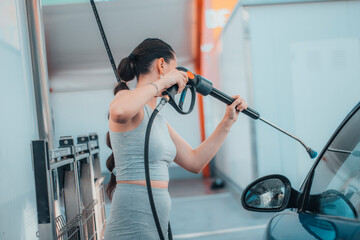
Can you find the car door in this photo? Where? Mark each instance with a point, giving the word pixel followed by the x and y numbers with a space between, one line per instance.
pixel 332 195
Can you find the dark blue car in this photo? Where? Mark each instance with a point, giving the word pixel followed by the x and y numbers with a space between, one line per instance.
pixel 327 206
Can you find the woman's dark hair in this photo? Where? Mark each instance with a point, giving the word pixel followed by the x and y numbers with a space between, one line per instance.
pixel 138 62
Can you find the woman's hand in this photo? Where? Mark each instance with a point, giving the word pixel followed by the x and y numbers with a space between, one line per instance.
pixel 232 111
pixel 171 78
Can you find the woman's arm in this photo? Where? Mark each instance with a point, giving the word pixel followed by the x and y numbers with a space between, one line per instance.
pixel 194 160
pixel 128 103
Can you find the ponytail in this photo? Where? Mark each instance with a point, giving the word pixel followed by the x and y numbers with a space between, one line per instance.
pixel 110 164
pixel 127 68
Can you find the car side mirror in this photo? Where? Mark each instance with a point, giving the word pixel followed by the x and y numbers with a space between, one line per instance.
pixel 269 194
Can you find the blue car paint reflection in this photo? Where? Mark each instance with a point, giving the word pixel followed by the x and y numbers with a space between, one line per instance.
pixel 304 226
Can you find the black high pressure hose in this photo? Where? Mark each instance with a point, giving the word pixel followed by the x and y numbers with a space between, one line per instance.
pixel 163 101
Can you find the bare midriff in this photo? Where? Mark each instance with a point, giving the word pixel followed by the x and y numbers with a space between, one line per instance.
pixel 154 183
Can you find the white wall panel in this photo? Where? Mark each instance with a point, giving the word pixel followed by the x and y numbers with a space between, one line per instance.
pixel 18 218
pixel 305 67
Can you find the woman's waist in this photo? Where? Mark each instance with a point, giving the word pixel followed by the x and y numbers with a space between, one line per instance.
pixel 134 172
pixel 154 183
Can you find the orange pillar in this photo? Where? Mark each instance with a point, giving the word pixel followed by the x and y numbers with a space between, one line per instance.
pixel 199 33
pixel 211 18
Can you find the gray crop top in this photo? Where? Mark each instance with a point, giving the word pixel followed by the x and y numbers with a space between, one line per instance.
pixel 128 149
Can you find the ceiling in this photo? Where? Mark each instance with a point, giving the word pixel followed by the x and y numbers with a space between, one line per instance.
pixel 76 53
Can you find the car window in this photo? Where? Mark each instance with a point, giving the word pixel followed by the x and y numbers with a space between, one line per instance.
pixel 335 188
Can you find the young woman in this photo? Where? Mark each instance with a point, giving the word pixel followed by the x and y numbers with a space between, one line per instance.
pixel 153 63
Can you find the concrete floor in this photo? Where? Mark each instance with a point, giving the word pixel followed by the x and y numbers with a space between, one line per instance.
pixel 200 213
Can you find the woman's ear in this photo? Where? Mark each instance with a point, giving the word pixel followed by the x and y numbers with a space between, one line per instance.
pixel 160 65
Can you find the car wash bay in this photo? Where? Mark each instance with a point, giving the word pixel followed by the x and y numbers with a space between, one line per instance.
pixel 288 59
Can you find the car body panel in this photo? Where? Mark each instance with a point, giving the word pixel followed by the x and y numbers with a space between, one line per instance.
pixel 300 226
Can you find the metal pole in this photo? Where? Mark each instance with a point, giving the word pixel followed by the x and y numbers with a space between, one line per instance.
pixel 41 89
pixel 39 70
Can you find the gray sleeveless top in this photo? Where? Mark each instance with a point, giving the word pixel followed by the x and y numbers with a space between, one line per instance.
pixel 128 149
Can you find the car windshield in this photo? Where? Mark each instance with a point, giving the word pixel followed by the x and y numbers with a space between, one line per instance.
pixel 336 183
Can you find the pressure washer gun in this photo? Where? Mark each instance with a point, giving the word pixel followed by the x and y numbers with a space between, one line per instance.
pixel 205 87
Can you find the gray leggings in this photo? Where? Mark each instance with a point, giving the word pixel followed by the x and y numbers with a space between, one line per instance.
pixel 130 214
